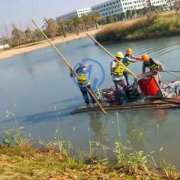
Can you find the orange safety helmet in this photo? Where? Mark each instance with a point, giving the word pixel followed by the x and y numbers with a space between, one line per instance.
pixel 129 51
pixel 144 57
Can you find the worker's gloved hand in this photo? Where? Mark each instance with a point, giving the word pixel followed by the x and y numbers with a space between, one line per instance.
pixel 71 72
pixel 161 68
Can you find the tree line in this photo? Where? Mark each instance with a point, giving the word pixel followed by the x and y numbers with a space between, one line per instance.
pixel 52 28
pixel 59 27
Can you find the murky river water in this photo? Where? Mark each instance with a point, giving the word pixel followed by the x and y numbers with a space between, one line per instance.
pixel 38 94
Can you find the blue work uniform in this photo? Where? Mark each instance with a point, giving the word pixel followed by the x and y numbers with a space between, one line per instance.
pixel 83 83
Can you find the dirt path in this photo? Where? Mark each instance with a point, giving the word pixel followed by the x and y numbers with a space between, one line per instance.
pixel 39 45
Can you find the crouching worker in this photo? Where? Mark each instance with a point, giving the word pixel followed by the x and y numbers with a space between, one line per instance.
pixel 151 64
pixel 118 78
pixel 83 82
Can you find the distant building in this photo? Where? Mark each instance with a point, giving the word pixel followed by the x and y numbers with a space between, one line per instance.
pixel 76 13
pixel 112 7
pixel 4 46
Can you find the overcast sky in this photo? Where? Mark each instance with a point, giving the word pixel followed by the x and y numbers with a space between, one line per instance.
pixel 20 12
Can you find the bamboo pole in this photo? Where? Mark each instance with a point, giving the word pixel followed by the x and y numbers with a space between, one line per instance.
pixel 69 66
pixel 130 72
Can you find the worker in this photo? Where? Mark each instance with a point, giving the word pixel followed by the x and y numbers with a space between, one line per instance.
pixel 83 82
pixel 151 64
pixel 127 60
pixel 118 78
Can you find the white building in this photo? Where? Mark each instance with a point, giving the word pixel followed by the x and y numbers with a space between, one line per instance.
pixel 156 2
pixel 4 46
pixel 113 7
pixel 76 13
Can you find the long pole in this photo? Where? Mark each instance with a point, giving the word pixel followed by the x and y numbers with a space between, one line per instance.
pixel 130 72
pixel 69 66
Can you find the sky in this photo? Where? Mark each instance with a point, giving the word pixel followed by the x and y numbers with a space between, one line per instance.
pixel 21 12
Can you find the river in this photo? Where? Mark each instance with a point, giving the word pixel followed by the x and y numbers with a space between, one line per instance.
pixel 38 95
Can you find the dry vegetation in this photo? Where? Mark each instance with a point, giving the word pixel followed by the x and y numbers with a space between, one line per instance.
pixel 151 26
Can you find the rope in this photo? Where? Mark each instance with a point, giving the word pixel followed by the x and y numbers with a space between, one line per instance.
pixel 167 71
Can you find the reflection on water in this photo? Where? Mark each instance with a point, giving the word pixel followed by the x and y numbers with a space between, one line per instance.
pixel 37 90
pixel 99 129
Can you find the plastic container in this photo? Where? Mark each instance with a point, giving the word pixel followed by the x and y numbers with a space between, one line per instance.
pixel 149 85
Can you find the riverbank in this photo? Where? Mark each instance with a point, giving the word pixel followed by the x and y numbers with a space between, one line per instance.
pixel 148 27
pixel 25 162
pixel 20 158
pixel 38 45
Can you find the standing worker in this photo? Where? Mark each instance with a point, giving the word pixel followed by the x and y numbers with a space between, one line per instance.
pixel 118 78
pixel 83 82
pixel 127 60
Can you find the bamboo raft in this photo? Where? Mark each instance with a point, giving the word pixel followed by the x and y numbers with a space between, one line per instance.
pixel 167 103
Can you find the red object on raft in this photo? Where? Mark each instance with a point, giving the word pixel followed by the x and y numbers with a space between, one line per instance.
pixel 149 85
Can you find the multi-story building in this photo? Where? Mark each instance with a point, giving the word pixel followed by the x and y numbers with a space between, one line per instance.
pixel 112 7
pixel 76 13
pixel 156 2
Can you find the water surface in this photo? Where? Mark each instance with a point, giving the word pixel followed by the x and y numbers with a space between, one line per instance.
pixel 38 94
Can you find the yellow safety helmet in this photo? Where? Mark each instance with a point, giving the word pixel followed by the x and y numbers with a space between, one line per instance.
pixel 129 51
pixel 120 55
pixel 144 57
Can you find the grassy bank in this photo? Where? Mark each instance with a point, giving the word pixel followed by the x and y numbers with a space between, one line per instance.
pixel 25 162
pixel 19 159
pixel 151 26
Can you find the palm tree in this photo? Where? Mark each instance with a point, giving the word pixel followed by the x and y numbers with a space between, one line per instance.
pixel 50 26
pixel 29 35
pixel 128 14
pixel 133 13
pixel 18 37
pixel 85 19
pixel 69 26
pixel 169 4
pixel 76 23
pixel 61 25
pixel 121 16
pixel 96 18
pixel 110 19
pixel 177 5
pixel 38 35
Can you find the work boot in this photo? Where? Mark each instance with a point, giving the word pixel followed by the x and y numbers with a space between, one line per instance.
pixel 95 104
pixel 88 105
